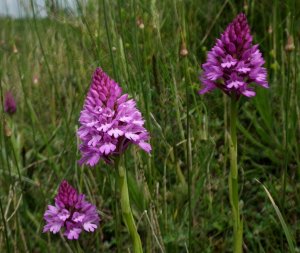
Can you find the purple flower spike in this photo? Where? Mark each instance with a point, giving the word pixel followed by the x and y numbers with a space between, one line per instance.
pixel 9 103
pixel 233 64
pixel 71 212
pixel 109 122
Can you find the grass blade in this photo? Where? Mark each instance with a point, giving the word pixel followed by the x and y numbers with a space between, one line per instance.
pixel 286 230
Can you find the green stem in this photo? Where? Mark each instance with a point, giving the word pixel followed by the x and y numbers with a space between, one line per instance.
pixel 5 228
pixel 117 218
pixel 233 180
pixel 126 209
pixel 189 155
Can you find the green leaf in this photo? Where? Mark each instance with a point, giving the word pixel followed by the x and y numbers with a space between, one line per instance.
pixel 287 233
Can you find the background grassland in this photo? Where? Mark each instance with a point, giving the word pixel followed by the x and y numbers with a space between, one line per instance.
pixel 179 194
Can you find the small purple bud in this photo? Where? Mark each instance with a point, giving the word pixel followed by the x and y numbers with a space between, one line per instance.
pixel 10 106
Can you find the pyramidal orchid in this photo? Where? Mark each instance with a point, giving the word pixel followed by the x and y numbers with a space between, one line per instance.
pixel 234 64
pixel 71 213
pixel 109 122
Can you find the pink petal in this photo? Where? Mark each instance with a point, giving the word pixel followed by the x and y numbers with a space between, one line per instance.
pixel 145 146
pixel 64 214
pixel 125 119
pixel 115 132
pixel 248 93
pixel 53 227
pixel 90 227
pixel 104 127
pixel 107 148
pixel 78 217
pixel 73 233
pixel 132 136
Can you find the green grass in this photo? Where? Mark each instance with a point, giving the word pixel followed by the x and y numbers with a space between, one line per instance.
pixel 179 194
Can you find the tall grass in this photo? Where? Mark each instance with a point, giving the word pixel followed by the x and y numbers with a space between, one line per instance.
pixel 179 193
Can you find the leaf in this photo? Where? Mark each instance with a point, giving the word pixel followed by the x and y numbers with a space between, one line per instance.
pixel 287 233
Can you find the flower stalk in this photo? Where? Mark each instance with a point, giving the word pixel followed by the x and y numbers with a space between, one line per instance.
pixel 126 209
pixel 233 180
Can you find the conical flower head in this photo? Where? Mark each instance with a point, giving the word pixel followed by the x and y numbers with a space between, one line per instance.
pixel 109 122
pixel 10 106
pixel 234 64
pixel 71 213
pixel 67 196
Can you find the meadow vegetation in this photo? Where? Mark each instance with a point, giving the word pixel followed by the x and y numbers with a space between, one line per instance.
pixel 179 194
